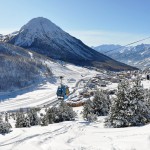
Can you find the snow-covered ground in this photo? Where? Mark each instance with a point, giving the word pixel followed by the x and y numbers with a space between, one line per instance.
pixel 77 135
pixel 71 135
pixel 46 92
pixel 146 84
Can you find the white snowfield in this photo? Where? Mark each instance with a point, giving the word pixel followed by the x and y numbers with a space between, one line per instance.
pixel 71 135
pixel 77 135
pixel 46 92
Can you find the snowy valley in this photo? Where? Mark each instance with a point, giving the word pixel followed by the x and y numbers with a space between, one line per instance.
pixel 78 134
pixel 108 104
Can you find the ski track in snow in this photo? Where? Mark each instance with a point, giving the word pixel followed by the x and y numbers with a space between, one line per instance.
pixel 79 135
pixel 45 137
pixel 24 102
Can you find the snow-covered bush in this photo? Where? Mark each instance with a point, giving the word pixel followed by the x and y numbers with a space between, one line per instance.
pixel 22 121
pixel 52 115
pixel 66 112
pixel 13 115
pixel 99 106
pixel 91 117
pixel 44 120
pixel 6 117
pixel 5 127
pixel 130 107
pixel 1 118
pixel 88 111
pixel 58 114
pixel 147 95
pixel 33 117
pixel 101 103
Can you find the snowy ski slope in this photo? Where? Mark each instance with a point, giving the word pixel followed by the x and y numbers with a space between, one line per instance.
pixel 71 135
pixel 77 135
pixel 46 92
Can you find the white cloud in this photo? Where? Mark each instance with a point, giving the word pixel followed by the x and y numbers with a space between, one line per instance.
pixel 97 37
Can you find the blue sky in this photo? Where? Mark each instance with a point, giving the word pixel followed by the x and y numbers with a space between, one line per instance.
pixel 95 22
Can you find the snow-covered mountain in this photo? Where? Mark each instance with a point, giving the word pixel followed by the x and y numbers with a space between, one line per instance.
pixel 7 37
pixel 138 56
pixel 44 37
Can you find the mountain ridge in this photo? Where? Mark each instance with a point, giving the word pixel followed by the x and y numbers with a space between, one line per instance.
pixel 137 56
pixel 44 37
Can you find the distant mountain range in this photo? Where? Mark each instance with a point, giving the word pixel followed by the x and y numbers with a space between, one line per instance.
pixel 138 56
pixel 44 37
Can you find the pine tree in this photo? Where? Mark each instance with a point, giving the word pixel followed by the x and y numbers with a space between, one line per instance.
pixel 27 122
pixel 22 121
pixel 65 112
pixel 129 108
pixel 33 117
pixel 147 95
pixel 139 108
pixel 13 115
pixel 101 103
pixel 44 120
pixel 5 127
pixel 53 115
pixel 88 111
pixel 58 114
pixel 1 119
pixel 6 117
pixel 119 105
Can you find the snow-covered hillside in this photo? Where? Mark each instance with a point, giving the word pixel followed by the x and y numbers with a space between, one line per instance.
pixel 20 68
pixel 77 135
pixel 44 37
pixel 45 92
pixel 138 56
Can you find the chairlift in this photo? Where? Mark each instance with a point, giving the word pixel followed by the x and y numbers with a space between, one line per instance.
pixel 62 90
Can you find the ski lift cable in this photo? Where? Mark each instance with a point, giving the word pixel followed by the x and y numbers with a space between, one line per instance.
pixel 128 44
